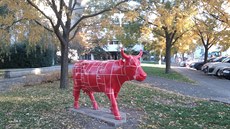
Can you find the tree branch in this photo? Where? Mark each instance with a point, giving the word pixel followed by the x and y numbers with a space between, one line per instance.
pixel 37 8
pixel 43 26
pixel 202 39
pixel 58 15
pixel 74 4
pixel 210 45
pixel 75 32
pixel 158 33
pixel 173 35
pixel 95 14
pixel 56 28
pixel 6 27
pixel 68 15
pixel 178 37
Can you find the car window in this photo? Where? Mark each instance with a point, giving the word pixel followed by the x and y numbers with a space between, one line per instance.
pixel 211 59
pixel 226 60
pixel 219 59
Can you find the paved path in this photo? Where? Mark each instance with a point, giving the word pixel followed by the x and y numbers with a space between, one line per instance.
pixel 207 87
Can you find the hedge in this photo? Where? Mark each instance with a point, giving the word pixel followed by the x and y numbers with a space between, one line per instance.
pixel 19 57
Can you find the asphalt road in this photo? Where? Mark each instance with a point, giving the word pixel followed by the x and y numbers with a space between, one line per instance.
pixel 211 87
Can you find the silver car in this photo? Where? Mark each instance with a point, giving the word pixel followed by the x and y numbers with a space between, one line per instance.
pixel 225 72
pixel 204 68
pixel 214 68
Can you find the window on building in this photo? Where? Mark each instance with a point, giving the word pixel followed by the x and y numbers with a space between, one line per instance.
pixel 111 43
pixel 115 42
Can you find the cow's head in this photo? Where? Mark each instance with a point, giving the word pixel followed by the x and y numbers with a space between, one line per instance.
pixel 133 66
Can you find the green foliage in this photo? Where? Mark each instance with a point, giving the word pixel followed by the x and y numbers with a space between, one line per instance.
pixel 3 10
pixel 20 57
pixel 131 34
pixel 99 53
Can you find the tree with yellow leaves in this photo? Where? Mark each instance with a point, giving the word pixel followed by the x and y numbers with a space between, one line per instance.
pixel 219 10
pixel 16 20
pixel 154 44
pixel 17 25
pixel 62 18
pixel 170 20
pixel 211 32
pixel 187 44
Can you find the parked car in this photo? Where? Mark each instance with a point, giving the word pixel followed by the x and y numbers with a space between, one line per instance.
pixel 225 73
pixel 214 68
pixel 185 63
pixel 205 66
pixel 198 65
pixel 182 64
pixel 189 62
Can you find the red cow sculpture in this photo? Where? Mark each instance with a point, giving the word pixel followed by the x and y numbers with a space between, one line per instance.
pixel 107 77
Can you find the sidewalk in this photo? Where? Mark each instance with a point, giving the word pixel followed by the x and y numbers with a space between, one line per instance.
pixel 30 76
pixel 195 90
pixel 187 89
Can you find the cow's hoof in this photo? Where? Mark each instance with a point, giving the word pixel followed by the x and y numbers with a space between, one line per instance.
pixel 95 108
pixel 118 117
pixel 76 106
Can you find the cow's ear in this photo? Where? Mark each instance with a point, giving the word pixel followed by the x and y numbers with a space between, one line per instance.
pixel 140 54
pixel 123 54
pixel 123 60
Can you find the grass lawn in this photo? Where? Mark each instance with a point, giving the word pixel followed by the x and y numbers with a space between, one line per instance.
pixel 159 71
pixel 44 106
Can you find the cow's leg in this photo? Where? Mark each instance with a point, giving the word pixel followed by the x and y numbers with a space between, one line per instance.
pixel 115 95
pixel 114 106
pixel 76 97
pixel 76 94
pixel 94 102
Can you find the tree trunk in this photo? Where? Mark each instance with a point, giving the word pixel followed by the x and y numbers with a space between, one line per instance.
pixel 205 53
pixel 64 82
pixel 168 55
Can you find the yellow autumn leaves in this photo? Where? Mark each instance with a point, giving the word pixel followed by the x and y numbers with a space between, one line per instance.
pixel 18 23
pixel 174 19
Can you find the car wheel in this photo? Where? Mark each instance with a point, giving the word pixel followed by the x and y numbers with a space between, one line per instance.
pixel 205 70
pixel 218 73
pixel 199 67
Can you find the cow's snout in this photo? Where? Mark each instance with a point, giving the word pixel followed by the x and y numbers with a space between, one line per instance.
pixel 142 75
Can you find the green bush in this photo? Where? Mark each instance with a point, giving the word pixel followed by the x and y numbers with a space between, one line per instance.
pixel 20 57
